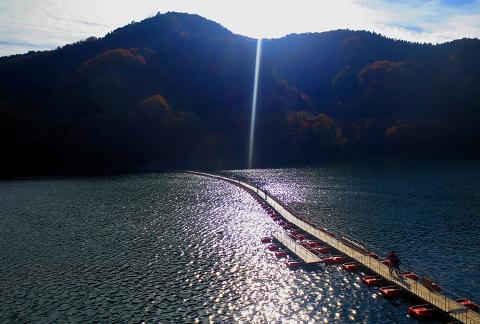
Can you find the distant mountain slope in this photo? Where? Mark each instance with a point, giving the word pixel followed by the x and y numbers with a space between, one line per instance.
pixel 329 64
pixel 175 91
pixel 391 97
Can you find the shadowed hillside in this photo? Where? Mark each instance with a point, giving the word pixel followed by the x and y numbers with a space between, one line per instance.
pixel 391 98
pixel 175 91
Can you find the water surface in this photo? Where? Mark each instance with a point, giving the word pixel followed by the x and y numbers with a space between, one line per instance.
pixel 179 247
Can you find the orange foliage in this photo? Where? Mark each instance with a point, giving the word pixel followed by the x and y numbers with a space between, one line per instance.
pixel 116 57
pixel 386 70
pixel 400 129
pixel 319 132
pixel 156 101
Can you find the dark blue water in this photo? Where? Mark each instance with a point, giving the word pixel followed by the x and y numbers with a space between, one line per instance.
pixel 180 248
pixel 427 212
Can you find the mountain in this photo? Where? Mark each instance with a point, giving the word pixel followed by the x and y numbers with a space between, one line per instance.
pixel 390 97
pixel 174 91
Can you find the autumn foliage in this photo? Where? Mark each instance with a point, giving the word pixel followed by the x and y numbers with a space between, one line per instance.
pixel 175 90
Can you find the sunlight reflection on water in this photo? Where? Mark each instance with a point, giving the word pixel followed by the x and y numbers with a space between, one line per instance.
pixel 165 247
pixel 404 207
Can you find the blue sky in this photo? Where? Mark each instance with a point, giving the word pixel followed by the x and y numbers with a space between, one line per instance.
pixel 46 24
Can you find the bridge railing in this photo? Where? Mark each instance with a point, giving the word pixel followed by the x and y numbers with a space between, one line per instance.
pixel 437 299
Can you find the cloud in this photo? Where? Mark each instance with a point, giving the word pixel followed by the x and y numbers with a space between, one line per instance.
pixel 433 21
pixel 45 24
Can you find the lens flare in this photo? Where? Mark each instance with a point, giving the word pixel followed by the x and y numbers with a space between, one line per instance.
pixel 254 103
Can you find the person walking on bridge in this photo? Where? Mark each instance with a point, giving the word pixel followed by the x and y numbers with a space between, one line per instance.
pixel 394 263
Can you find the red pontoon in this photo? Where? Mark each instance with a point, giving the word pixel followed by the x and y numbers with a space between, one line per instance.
pixel 373 255
pixel 350 266
pixel 421 311
pixel 390 291
pixel 371 280
pixel 292 264
pixel 411 275
pixel 468 303
pixel 266 239
pixel 273 247
pixel 334 260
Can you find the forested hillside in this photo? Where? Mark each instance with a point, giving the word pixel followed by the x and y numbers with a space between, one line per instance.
pixel 175 90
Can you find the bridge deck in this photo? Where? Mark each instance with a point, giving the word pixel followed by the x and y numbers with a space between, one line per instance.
pixel 300 251
pixel 442 302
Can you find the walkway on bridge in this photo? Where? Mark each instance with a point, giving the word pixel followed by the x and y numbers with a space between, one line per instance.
pixel 442 302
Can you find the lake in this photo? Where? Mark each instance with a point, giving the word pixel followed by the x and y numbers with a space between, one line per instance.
pixel 174 247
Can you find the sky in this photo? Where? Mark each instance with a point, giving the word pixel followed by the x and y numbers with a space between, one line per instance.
pixel 46 24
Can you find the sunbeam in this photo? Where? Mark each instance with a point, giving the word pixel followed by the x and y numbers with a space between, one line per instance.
pixel 254 103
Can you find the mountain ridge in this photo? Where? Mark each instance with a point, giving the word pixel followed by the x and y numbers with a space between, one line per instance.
pixel 175 90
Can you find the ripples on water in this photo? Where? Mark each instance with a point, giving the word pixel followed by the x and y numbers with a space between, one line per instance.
pixel 428 212
pixel 177 247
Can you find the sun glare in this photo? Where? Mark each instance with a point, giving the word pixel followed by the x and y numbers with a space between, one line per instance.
pixel 254 103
